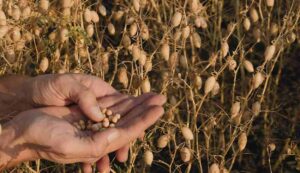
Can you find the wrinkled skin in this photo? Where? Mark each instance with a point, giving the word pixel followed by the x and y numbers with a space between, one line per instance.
pixel 48 133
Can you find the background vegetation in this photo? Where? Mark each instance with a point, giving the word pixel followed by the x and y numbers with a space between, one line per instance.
pixel 229 69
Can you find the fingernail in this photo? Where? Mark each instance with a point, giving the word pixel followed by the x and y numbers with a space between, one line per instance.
pixel 96 111
pixel 113 135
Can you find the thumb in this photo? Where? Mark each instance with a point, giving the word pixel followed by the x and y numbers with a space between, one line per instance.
pixel 87 101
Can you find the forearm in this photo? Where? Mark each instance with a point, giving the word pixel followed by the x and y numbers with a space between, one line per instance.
pixel 13 95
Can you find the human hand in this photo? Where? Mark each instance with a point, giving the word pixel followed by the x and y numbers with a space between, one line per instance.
pixel 27 139
pixel 65 89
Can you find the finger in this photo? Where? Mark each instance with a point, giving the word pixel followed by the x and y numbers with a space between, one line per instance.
pixel 87 168
pixel 75 114
pixel 97 85
pixel 152 101
pixel 127 105
pixel 114 138
pixel 103 165
pixel 108 101
pixel 122 153
pixel 87 101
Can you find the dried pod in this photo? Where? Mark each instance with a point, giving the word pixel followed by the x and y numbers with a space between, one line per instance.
pixel 130 20
pixel 248 66
pixel 126 41
pixel 173 60
pixel 177 35
pixel 133 29
pixel 64 35
pixel 3 21
pixel 224 48
pixel 94 17
pixel 230 27
pixel 90 30
pixel 87 15
pixel 274 29
pixel 213 59
pixel 270 3
pixel 183 62
pixel 198 82
pixel 200 22
pixel 16 34
pixel 16 13
pixel 165 51
pixel 66 3
pixel 209 84
pixel 231 64
pixel 148 157
pixel 10 55
pixel 258 79
pixel 136 5
pixel 216 89
pixel 117 15
pixel 122 77
pixel 102 10
pixel 254 15
pixel 257 34
pixel 271 147
pixel 196 40
pixel 143 3
pixel 224 170
pixel 214 168
pixel 44 64
pixel 291 38
pixel 142 60
pixel 163 141
pixel 242 141
pixel 136 52
pixel 176 19
pixel 186 32
pixel 26 12
pixel 144 32
pixel 269 52
pixel 256 107
pixel 235 109
pixel 246 24
pixel 62 70
pixel 19 46
pixel 185 154
pixel 146 86
pixel 111 29
pixel 187 133
pixel 193 5
pixel 148 65
pixel 44 5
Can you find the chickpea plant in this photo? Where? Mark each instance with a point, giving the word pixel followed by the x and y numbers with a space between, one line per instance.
pixel 220 63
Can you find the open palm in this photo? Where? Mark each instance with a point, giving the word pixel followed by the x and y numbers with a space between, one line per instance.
pixel 48 133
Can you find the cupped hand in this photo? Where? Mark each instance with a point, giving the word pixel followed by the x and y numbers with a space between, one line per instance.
pixel 65 89
pixel 48 133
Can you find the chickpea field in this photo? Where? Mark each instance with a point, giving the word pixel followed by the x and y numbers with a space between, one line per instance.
pixel 230 70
